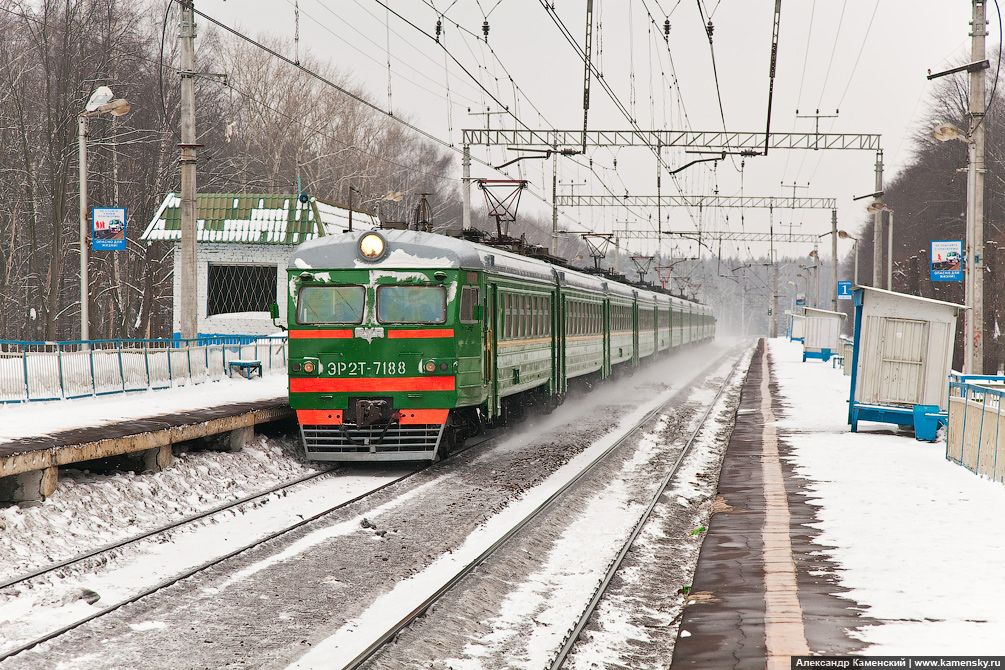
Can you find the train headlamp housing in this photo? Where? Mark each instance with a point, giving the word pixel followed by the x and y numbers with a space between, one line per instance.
pixel 309 367
pixel 430 366
pixel 372 246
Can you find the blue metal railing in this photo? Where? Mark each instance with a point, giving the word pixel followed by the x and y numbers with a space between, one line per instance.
pixel 64 370
pixel 975 424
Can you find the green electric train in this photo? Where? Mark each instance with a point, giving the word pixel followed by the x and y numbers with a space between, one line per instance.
pixel 403 343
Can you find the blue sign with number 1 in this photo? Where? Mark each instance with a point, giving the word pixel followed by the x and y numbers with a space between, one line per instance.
pixel 844 290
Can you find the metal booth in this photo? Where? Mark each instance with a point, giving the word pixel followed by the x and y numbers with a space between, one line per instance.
pixel 822 334
pixel 902 358
pixel 797 326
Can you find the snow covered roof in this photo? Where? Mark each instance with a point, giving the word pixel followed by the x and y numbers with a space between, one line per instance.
pixel 253 219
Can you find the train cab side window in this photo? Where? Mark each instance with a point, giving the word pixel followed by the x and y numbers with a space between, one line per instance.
pixel 330 304
pixel 411 304
pixel 470 296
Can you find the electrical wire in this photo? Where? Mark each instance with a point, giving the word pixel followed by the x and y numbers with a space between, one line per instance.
pixel 859 56
pixel 613 96
pixel 837 35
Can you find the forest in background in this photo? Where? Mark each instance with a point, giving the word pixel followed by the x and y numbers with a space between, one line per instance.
pixel 269 126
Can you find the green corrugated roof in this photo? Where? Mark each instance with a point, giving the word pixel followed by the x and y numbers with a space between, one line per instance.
pixel 252 219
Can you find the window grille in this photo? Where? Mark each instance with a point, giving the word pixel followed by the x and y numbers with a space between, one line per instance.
pixel 240 288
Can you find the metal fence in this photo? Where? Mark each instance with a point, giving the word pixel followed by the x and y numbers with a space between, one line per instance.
pixel 976 438
pixel 63 370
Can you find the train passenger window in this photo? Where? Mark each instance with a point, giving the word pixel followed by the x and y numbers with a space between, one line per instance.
pixel 507 317
pixel 330 304
pixel 411 304
pixel 469 298
pixel 528 323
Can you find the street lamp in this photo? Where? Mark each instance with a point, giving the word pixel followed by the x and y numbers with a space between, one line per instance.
pixel 100 102
pixel 846 236
pixel 974 285
pixel 816 280
pixel 879 206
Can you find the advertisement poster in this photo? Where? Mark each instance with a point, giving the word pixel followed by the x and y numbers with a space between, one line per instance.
pixel 109 228
pixel 947 260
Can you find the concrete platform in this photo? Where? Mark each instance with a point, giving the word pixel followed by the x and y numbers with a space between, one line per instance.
pixel 28 466
pixel 762 592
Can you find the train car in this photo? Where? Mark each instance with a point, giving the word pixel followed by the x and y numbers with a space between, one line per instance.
pixel 402 343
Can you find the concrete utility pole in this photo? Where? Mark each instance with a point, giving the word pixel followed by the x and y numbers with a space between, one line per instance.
pixel 774 271
pixel 834 260
pixel 978 35
pixel 466 188
pixel 188 319
pixel 554 204
pixel 877 229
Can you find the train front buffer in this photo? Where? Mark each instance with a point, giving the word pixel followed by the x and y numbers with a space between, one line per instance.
pixel 375 361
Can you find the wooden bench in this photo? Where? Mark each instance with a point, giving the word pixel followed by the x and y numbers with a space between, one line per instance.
pixel 244 368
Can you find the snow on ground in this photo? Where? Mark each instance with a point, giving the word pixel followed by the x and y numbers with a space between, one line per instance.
pixel 917 537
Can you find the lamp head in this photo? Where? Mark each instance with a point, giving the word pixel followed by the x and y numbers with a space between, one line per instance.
pixel 947 131
pixel 101 95
pixel 877 206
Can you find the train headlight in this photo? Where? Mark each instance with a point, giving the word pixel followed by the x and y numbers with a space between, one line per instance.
pixel 372 247
pixel 430 366
pixel 309 367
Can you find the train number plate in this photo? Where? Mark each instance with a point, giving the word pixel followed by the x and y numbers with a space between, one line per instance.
pixel 365 368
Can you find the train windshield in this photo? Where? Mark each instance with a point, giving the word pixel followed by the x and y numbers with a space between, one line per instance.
pixel 330 304
pixel 411 304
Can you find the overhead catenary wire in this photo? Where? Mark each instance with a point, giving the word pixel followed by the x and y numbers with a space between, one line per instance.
pixel 837 35
pixel 550 10
pixel 357 98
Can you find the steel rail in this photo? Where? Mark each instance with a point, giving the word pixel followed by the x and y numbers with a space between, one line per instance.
pixel 45 569
pixel 219 559
pixel 604 583
pixel 418 611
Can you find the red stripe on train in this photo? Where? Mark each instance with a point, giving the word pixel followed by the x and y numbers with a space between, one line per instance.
pixel 319 417
pixel 364 384
pixel 333 417
pixel 420 334
pixel 320 334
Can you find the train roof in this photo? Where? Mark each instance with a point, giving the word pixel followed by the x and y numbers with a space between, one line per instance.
pixel 411 249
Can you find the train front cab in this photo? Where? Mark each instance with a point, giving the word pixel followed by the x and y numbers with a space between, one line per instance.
pixel 377 363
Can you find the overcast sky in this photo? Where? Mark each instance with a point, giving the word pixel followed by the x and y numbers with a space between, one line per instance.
pixel 866 58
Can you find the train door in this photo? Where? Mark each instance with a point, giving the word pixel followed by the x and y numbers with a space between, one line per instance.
pixel 560 340
pixel 605 331
pixel 635 330
pixel 557 352
pixel 490 338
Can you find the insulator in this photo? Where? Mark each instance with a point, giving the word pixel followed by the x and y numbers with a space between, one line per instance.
pixel 485 28
pixel 709 28
pixel 439 29
pixel 615 163
pixel 666 27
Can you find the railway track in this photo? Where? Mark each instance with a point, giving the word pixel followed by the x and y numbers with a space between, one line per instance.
pixel 349 653
pixel 465 477
pixel 188 521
